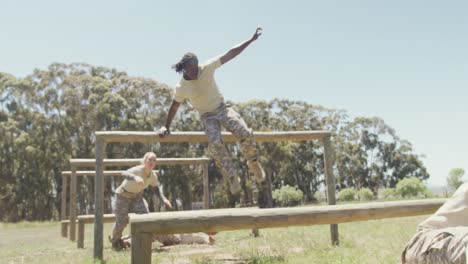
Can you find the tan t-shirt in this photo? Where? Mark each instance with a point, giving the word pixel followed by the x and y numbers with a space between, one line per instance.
pixel 131 185
pixel 452 213
pixel 202 93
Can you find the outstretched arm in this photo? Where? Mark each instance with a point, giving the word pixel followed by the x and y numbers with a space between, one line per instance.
pixel 132 177
pixel 164 130
pixel 160 194
pixel 232 53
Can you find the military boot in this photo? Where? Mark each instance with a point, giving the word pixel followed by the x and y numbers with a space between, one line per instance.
pixel 118 244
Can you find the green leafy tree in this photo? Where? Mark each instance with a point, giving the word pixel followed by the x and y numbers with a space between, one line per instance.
pixel 365 194
pixel 287 196
pixel 454 179
pixel 370 155
pixel 347 194
pixel 388 193
pixel 410 187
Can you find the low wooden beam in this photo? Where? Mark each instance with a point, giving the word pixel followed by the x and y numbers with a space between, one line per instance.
pixel 88 219
pixel 178 137
pixel 247 218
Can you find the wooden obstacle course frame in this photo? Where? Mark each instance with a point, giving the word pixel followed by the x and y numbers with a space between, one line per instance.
pixel 103 137
pixel 89 219
pixel 143 227
pixel 86 163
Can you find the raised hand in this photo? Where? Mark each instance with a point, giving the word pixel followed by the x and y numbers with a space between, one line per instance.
pixel 257 33
pixel 163 131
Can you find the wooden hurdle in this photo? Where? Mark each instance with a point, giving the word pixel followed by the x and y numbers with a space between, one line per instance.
pixel 109 218
pixel 104 137
pixel 143 227
pixel 89 219
pixel 87 163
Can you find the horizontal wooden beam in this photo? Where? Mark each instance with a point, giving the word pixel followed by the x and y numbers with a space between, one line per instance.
pixel 88 219
pixel 132 162
pixel 93 173
pixel 108 218
pixel 137 136
pixel 248 218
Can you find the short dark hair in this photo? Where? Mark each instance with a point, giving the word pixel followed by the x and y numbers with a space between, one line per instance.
pixel 189 56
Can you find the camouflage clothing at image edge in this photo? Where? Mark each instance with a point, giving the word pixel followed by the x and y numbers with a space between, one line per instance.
pixel 441 246
pixel 442 237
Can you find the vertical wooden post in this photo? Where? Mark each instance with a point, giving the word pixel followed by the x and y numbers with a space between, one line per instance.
pixel 99 200
pixel 72 206
pixel 269 190
pixel 63 205
pixel 65 226
pixel 206 187
pixel 255 232
pixel 81 229
pixel 141 248
pixel 188 201
pixel 330 181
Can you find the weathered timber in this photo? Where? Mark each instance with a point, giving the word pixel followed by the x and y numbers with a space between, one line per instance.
pixel 178 137
pixel 89 219
pixel 132 162
pixel 245 218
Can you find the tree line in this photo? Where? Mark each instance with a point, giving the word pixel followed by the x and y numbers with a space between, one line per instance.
pixel 50 116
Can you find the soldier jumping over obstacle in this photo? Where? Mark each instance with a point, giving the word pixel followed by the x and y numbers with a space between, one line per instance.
pixel 198 86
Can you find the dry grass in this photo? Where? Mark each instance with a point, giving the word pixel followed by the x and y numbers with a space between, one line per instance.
pixel 361 242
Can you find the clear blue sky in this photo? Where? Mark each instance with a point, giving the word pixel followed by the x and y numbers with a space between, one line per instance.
pixel 404 61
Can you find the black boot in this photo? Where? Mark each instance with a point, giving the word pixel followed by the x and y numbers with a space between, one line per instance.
pixel 118 244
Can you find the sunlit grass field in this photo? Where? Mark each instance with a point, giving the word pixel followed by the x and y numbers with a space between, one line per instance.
pixel 379 241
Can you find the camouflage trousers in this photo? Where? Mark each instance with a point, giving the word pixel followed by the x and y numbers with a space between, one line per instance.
pixel 126 203
pixel 227 117
pixel 441 246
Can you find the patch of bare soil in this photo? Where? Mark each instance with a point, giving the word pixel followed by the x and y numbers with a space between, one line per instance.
pixel 183 254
